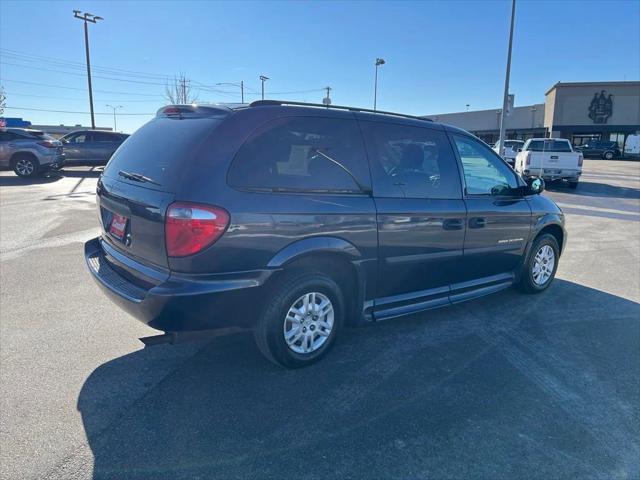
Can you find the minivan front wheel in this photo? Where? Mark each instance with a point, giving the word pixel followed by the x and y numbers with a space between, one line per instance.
pixel 540 267
pixel 301 319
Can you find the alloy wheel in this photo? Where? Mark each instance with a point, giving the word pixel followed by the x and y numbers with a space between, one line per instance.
pixel 25 167
pixel 543 264
pixel 308 323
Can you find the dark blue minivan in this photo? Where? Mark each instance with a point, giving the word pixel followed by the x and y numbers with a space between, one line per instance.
pixel 296 220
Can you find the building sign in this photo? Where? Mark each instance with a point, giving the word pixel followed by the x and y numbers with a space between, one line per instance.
pixel 601 107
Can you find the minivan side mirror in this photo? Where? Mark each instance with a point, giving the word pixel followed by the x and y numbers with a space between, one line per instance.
pixel 536 185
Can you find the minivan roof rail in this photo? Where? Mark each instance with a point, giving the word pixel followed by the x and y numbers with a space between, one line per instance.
pixel 264 103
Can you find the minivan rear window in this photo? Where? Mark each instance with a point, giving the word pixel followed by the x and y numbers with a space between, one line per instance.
pixel 160 150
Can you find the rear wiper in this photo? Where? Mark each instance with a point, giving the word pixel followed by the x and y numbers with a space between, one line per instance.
pixel 362 188
pixel 137 177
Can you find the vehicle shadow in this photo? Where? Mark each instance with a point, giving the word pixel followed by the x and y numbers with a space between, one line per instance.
pixel 51 177
pixel 508 386
pixel 92 172
pixel 16 181
pixel 594 189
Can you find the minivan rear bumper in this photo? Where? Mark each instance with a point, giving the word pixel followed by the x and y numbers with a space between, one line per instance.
pixel 178 302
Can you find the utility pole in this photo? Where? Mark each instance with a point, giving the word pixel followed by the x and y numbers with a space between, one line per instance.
pixel 327 100
pixel 263 79
pixel 379 61
pixel 88 17
pixel 115 126
pixel 183 83
pixel 505 98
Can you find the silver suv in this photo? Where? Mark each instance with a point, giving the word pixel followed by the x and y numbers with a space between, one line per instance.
pixel 29 152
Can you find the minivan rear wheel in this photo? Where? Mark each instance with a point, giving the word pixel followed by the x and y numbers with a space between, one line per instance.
pixel 301 319
pixel 541 264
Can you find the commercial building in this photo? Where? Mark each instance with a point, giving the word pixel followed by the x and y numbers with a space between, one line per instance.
pixel 576 111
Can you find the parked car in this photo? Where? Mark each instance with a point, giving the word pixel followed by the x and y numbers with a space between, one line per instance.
pixel 91 147
pixel 632 146
pixel 29 152
pixel 551 159
pixel 600 149
pixel 510 150
pixel 296 220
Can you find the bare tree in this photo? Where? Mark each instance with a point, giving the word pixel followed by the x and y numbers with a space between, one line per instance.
pixel 3 100
pixel 179 92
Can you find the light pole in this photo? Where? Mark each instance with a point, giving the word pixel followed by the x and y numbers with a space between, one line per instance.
pixel 88 17
pixel 468 105
pixel 241 85
pixel 115 126
pixel 505 98
pixel 263 79
pixel 379 61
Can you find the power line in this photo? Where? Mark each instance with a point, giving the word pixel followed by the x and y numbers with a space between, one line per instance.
pixel 15 55
pixel 80 89
pixel 82 75
pixel 12 94
pixel 69 111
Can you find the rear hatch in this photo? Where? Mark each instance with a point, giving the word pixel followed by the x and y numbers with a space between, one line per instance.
pixel 142 178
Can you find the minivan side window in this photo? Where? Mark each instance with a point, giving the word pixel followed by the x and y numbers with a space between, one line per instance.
pixel 298 154
pixel 484 172
pixel 411 162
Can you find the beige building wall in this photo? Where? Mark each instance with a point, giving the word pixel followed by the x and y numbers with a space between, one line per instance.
pixel 567 104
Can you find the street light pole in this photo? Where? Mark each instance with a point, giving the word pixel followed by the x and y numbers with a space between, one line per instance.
pixel 379 61
pixel 115 126
pixel 263 79
pixel 88 17
pixel 241 85
pixel 505 99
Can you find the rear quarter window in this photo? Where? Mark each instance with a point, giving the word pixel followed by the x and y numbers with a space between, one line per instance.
pixel 291 154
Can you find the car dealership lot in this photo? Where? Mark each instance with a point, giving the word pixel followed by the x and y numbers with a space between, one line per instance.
pixel 502 387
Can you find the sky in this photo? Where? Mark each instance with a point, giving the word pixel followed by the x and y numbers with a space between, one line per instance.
pixel 440 55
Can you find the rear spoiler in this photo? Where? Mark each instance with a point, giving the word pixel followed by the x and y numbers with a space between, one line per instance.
pixel 194 110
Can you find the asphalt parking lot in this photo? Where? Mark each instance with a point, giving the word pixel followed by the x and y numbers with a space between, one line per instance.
pixel 509 386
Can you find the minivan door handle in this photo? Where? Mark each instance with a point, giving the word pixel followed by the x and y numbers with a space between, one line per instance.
pixel 477 222
pixel 453 224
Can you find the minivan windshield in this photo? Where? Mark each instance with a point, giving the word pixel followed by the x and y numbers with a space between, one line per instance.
pixel 159 151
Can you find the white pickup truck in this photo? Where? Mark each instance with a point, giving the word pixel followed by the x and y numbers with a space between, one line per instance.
pixel 549 158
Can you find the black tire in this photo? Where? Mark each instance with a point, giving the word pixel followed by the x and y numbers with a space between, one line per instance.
pixel 573 185
pixel 25 166
pixel 608 155
pixel 527 283
pixel 269 332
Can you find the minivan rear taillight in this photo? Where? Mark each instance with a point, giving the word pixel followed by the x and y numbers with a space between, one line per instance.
pixel 192 227
pixel 580 160
pixel 527 158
